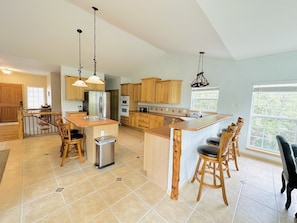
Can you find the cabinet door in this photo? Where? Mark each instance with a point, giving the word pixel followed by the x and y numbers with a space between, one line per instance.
pixel 168 92
pixel 72 92
pixel 137 92
pixel 156 121
pixel 148 89
pixel 174 92
pixel 124 90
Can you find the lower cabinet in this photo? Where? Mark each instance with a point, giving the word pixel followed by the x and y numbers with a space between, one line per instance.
pixel 156 121
pixel 124 120
pixel 142 120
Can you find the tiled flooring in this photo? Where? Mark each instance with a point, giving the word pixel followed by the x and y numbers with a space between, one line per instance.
pixel 29 191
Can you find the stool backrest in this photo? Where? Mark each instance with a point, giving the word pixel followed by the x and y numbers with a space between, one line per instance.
pixel 225 141
pixel 65 132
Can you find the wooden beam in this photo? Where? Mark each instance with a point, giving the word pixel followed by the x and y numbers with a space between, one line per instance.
pixel 176 162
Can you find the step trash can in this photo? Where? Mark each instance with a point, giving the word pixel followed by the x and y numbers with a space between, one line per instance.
pixel 104 151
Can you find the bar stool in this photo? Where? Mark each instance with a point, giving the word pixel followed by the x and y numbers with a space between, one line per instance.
pixel 240 122
pixel 71 139
pixel 213 155
pixel 59 121
pixel 234 148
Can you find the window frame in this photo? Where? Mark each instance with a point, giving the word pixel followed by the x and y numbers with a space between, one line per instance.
pixel 205 89
pixel 283 122
pixel 30 93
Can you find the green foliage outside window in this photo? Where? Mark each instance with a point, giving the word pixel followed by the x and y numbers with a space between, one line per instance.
pixel 273 113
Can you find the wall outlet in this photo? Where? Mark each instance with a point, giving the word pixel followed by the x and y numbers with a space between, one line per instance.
pixel 166 109
pixel 102 133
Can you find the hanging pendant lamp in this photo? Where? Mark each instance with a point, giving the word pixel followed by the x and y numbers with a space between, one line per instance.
pixel 79 82
pixel 200 80
pixel 94 79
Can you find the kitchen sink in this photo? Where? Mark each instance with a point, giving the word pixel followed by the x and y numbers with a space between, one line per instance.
pixel 188 118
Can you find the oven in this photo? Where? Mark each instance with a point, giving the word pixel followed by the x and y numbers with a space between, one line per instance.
pixel 124 106
pixel 124 110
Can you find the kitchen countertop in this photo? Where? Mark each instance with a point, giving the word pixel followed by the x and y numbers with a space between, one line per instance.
pixel 200 123
pixel 83 123
pixel 192 125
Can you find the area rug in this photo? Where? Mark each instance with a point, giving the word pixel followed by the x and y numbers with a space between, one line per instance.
pixel 3 159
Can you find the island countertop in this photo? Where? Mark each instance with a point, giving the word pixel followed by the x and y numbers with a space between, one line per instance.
pixel 84 123
pixel 200 123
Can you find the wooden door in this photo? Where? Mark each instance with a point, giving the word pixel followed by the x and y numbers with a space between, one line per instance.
pixel 10 101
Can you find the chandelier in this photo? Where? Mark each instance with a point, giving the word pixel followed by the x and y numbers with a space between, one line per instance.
pixel 200 80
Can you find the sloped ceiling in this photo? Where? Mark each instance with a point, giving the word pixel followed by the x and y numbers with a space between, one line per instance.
pixel 39 36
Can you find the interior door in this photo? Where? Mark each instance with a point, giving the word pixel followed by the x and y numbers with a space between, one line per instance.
pixel 10 101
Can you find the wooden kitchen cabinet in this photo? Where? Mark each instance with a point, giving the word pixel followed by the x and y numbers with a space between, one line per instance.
pixel 168 91
pixel 133 119
pixel 127 90
pixel 148 86
pixel 156 121
pixel 143 120
pixel 124 120
pixel 72 92
pixel 137 92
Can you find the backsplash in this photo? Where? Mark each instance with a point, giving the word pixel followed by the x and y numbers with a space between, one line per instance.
pixel 168 110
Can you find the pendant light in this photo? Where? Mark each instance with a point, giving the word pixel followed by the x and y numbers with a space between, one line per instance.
pixel 200 80
pixel 79 82
pixel 94 79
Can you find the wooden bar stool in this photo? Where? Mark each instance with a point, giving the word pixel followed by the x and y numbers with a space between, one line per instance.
pixel 69 140
pixel 216 157
pixel 59 121
pixel 234 148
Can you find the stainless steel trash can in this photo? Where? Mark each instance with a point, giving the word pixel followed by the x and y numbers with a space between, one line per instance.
pixel 104 151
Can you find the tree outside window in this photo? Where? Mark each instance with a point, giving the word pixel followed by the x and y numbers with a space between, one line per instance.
pixel 274 111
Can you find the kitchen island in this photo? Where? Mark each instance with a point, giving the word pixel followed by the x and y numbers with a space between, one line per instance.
pixel 170 152
pixel 94 128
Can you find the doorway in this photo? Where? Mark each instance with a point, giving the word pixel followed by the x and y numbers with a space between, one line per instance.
pixel 114 104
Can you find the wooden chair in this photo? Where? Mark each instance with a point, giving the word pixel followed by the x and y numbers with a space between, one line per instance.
pixel 59 121
pixel 216 157
pixel 68 140
pixel 288 155
pixel 234 147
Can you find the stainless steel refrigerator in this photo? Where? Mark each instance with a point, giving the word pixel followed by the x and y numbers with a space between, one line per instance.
pixel 97 103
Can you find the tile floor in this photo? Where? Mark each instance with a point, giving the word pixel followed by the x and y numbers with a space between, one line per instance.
pixel 35 188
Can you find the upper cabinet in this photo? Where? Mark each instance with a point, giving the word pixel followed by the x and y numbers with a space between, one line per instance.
pixel 77 93
pixel 137 92
pixel 168 91
pixel 72 92
pixel 148 87
pixel 127 90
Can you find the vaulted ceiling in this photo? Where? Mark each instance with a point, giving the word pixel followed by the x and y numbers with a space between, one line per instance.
pixel 40 36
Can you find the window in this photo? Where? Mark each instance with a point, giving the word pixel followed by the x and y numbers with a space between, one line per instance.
pixel 273 112
pixel 204 99
pixel 35 97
